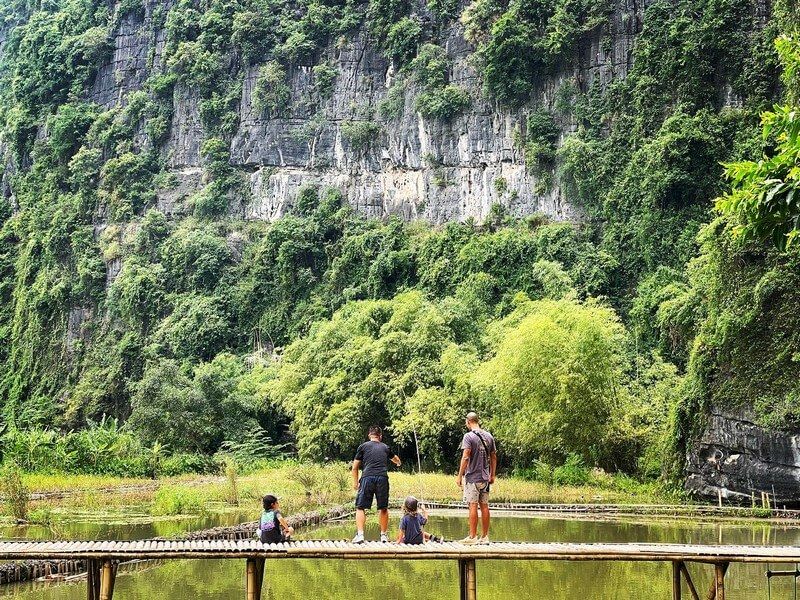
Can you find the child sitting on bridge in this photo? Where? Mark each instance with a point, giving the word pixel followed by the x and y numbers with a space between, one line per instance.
pixel 273 528
pixel 412 523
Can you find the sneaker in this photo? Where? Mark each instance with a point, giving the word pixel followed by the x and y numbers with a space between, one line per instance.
pixel 359 539
pixel 469 540
pixel 384 538
pixel 436 539
pixel 484 540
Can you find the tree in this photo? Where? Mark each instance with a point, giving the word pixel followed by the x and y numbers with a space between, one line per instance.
pixel 555 374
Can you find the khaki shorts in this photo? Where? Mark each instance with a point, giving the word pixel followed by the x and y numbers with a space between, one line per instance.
pixel 476 492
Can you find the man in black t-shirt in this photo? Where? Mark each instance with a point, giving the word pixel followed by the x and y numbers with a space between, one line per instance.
pixel 373 458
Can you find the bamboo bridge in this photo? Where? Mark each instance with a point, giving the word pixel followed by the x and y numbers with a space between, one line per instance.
pixel 102 557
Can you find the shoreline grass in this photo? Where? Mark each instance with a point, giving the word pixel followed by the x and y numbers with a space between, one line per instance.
pixel 304 486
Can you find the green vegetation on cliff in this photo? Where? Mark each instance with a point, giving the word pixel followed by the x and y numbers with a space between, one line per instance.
pixel 207 331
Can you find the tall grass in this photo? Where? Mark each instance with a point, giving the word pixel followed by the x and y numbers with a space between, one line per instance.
pixel 177 500
pixel 231 473
pixel 15 493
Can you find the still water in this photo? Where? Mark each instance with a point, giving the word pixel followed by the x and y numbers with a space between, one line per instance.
pixel 497 580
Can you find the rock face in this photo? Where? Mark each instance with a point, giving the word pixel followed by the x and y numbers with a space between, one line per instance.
pixel 739 459
pixel 414 167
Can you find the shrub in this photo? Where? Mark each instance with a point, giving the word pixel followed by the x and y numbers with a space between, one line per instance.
pixel 540 141
pixel 429 68
pixel 382 14
pixel 197 66
pixel 127 184
pixel 182 463
pixel 360 134
pixel 572 472
pixel 253 447
pixel 308 476
pixel 15 492
pixel 175 500
pixel 403 39
pixel 210 202
pixel 271 93
pixel 138 294
pixel 444 103
pixel 445 10
pixel 307 199
pixel 391 107
pixel 324 76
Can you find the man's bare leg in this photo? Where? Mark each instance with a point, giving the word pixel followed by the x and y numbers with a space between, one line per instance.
pixel 361 519
pixel 473 519
pixel 383 519
pixel 484 519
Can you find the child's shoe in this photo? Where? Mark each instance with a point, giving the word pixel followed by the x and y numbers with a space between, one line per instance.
pixel 437 539
pixel 484 540
pixel 469 540
pixel 359 539
pixel 384 538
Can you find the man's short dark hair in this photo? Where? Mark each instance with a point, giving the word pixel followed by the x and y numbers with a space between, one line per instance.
pixel 375 430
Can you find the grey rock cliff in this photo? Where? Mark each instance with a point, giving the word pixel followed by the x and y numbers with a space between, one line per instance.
pixel 738 459
pixel 416 168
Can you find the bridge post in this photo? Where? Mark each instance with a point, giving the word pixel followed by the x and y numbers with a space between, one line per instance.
pixel 93 579
pixel 255 578
pixel 717 590
pixel 467 581
pixel 719 575
pixel 689 583
pixel 108 575
pixel 676 580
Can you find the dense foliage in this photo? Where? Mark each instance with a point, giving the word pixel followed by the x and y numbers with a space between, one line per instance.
pixel 127 334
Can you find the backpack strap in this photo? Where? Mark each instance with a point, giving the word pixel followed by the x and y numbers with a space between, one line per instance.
pixel 485 447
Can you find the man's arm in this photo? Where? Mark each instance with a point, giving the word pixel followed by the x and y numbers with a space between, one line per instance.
pixel 356 467
pixel 492 467
pixel 396 460
pixel 463 466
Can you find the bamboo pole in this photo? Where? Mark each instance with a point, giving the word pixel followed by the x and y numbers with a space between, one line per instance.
pixel 470 580
pixel 676 580
pixel 719 574
pixel 93 579
pixel 689 582
pixel 259 576
pixel 107 576
pixel 717 589
pixel 255 578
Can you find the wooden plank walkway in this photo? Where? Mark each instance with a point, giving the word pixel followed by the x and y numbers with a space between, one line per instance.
pixel 103 557
pixel 190 549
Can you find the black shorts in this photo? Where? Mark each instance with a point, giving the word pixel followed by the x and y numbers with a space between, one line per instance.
pixel 377 487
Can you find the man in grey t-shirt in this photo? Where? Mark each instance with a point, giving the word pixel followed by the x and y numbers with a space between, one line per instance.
pixel 475 474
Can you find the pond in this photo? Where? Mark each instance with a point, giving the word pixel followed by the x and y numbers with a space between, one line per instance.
pixel 134 523
pixel 497 580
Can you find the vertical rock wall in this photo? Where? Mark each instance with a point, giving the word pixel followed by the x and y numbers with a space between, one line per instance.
pixel 736 458
pixel 416 168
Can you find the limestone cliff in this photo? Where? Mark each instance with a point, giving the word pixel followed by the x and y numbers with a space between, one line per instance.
pixel 736 458
pixel 416 168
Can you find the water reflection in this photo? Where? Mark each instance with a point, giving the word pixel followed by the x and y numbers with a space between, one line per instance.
pixel 132 526
pixel 394 580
